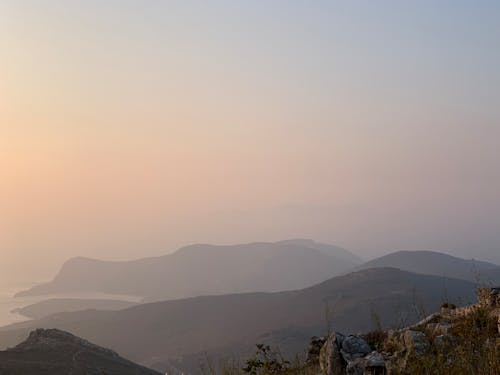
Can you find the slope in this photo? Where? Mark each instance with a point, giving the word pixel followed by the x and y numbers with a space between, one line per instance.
pixel 180 333
pixel 439 264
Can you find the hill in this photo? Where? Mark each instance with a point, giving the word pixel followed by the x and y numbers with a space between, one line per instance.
pixel 54 352
pixel 205 270
pixel 183 333
pixel 55 305
pixel 439 264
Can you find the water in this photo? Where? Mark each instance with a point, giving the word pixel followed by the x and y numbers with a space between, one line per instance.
pixel 8 303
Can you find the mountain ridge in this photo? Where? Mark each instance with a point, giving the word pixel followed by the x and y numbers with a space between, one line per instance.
pixel 178 333
pixel 438 264
pixel 205 270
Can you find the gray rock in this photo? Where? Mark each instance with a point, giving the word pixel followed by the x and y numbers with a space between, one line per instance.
pixel 356 367
pixel 430 319
pixel 415 341
pixel 373 363
pixel 354 347
pixel 439 328
pixel 340 338
pixel 374 359
pixel 330 358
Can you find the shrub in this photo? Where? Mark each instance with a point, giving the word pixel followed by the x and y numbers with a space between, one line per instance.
pixel 376 339
pixel 447 305
pixel 266 362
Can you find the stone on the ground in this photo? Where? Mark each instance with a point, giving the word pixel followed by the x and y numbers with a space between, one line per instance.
pixel 354 347
pixel 330 358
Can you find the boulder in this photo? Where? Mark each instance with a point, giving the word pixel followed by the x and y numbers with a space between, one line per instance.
pixel 330 359
pixel 375 359
pixel 354 347
pixel 371 364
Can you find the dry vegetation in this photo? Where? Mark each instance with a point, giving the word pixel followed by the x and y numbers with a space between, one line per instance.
pixel 473 348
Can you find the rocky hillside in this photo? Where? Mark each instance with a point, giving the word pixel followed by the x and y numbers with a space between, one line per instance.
pixel 55 352
pixel 456 341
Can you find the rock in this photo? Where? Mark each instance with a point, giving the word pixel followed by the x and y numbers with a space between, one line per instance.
pixel 356 367
pixel 394 363
pixel 444 341
pixel 354 347
pixel 315 348
pixel 403 345
pixel 375 359
pixel 330 358
pixel 439 328
pixel 489 297
pixel 430 319
pixel 371 364
pixel 415 341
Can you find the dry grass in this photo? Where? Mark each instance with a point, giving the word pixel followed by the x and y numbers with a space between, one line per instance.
pixel 474 350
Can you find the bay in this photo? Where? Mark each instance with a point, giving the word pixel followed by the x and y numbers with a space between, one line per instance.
pixel 8 303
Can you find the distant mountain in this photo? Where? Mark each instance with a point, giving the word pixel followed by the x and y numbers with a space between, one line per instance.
pixel 334 251
pixel 181 334
pixel 54 352
pixel 439 264
pixel 51 306
pixel 206 270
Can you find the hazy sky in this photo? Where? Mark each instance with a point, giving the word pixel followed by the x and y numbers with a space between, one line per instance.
pixel 129 128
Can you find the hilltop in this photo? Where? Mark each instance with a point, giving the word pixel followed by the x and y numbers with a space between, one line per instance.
pixel 439 264
pixel 55 352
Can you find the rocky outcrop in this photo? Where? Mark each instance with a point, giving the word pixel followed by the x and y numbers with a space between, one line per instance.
pixel 354 347
pixel 371 364
pixel 415 342
pixel 55 339
pixel 352 354
pixel 331 359
pixel 489 297
pixel 56 352
pixel 314 349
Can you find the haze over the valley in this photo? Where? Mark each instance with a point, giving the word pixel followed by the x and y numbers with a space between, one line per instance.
pixel 129 129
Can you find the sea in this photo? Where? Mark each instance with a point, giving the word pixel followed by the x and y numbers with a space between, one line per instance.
pixel 9 303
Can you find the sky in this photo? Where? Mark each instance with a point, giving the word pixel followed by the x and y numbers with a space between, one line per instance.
pixel 130 128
